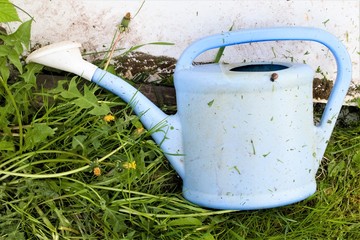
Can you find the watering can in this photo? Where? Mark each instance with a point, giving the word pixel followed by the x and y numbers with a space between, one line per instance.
pixel 243 137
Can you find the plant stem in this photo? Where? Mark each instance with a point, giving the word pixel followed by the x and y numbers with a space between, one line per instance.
pixel 112 50
pixel 56 175
pixel 18 115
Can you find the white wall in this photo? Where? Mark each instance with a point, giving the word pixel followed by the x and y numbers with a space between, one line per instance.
pixel 93 23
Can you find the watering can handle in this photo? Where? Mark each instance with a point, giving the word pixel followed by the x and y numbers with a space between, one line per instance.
pixel 324 129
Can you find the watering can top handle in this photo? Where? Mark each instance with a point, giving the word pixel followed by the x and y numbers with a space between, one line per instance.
pixel 262 35
pixel 339 51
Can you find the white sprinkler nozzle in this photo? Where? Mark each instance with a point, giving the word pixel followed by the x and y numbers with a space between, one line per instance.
pixel 65 56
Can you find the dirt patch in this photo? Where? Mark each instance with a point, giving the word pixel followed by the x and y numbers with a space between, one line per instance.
pixel 322 88
pixel 145 68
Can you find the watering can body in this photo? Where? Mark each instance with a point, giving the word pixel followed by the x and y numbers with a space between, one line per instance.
pixel 249 141
pixel 243 137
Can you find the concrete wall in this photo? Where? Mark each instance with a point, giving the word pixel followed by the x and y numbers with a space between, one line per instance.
pixel 93 23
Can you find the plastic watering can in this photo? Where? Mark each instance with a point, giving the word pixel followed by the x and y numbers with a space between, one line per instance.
pixel 243 136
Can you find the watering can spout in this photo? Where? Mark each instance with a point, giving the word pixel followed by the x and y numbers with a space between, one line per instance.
pixel 165 129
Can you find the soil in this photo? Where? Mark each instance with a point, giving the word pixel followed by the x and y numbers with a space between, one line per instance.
pixel 322 88
pixel 145 68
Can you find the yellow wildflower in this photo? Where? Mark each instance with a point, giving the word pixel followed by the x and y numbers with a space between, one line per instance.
pixel 97 171
pixel 130 165
pixel 109 118
pixel 140 130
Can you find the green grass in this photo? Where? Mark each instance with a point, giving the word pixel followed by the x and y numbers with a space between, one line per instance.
pixel 48 188
pixel 53 143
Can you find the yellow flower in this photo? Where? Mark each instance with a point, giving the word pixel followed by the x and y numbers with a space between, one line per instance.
pixel 97 171
pixel 130 165
pixel 140 130
pixel 109 118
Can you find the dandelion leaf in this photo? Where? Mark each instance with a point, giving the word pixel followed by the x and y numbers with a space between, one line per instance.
pixel 29 76
pixel 37 134
pixel 6 146
pixel 21 37
pixel 86 101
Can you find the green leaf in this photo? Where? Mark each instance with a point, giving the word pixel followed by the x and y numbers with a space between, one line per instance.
pixel 72 91
pixel 86 101
pixel 133 48
pixel 59 87
pixel 100 110
pixel 15 59
pixel 137 123
pixel 235 235
pixel 78 141
pixel 356 159
pixel 89 100
pixel 4 69
pixel 12 55
pixel 6 146
pixel 8 12
pixel 31 70
pixel 190 221
pixel 161 43
pixel 219 54
pixel 8 109
pixel 207 236
pixel 4 50
pixel 37 134
pixel 221 50
pixel 211 103
pixel 20 38
pixel 96 143
pixel 336 168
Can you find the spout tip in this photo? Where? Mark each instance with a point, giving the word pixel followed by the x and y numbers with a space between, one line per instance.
pixel 65 56
pixel 52 48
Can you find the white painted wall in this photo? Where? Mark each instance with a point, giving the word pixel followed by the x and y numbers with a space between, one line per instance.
pixel 93 23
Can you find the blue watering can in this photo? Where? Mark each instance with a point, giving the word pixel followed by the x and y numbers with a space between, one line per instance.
pixel 243 137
